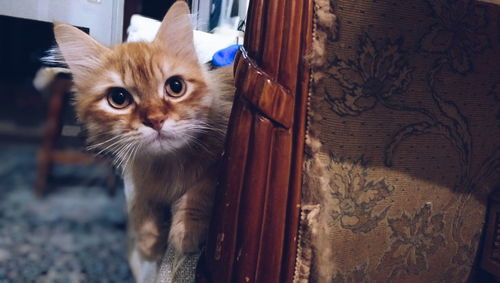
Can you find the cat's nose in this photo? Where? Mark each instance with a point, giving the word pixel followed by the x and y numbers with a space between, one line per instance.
pixel 154 122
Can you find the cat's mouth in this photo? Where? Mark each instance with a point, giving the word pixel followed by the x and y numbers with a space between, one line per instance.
pixel 160 141
pixel 163 141
pixel 160 137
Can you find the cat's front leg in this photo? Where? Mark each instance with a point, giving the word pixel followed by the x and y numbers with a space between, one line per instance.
pixel 143 269
pixel 191 218
pixel 149 220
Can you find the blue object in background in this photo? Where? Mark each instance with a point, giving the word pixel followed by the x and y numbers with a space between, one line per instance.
pixel 225 56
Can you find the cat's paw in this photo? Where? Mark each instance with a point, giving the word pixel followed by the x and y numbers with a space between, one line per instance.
pixel 186 239
pixel 149 241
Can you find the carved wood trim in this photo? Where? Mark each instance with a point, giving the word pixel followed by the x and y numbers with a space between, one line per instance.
pixel 253 236
pixel 259 89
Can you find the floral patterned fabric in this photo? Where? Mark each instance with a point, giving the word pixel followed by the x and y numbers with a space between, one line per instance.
pixel 403 142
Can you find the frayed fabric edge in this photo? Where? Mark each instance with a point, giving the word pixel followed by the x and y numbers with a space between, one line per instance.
pixel 311 262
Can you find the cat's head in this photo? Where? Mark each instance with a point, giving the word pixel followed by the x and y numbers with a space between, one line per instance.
pixel 148 97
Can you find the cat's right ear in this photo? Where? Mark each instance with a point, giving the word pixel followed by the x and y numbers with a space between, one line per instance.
pixel 81 52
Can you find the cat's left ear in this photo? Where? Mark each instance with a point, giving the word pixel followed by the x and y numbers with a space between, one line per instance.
pixel 176 32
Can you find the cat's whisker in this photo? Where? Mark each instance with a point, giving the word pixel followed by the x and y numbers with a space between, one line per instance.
pixel 105 142
pixel 124 140
pixel 201 124
pixel 206 130
pixel 119 134
pixel 212 126
pixel 128 155
pixel 110 148
pixel 133 153
pixel 107 135
pixel 96 145
pixel 220 137
pixel 118 154
pixel 123 154
pixel 199 143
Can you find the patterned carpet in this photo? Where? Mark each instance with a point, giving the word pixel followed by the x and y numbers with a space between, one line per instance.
pixel 74 234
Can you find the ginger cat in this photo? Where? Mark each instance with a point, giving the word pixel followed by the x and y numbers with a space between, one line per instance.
pixel 163 117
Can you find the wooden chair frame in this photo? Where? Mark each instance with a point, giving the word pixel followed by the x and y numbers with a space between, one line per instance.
pixel 255 224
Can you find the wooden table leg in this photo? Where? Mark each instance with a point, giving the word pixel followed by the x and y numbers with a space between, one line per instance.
pixel 60 87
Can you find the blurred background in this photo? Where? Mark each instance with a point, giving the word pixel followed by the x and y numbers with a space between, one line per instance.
pixel 62 210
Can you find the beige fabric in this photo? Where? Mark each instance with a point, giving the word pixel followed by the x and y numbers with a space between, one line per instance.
pixel 403 140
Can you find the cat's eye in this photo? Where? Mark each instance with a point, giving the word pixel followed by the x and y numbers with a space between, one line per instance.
pixel 119 98
pixel 175 87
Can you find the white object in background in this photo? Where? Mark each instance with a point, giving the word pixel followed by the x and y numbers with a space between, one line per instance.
pixel 206 44
pixel 201 10
pixel 243 9
pixel 227 9
pixel 225 13
pixel 105 20
pixel 142 29
pixel 45 76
